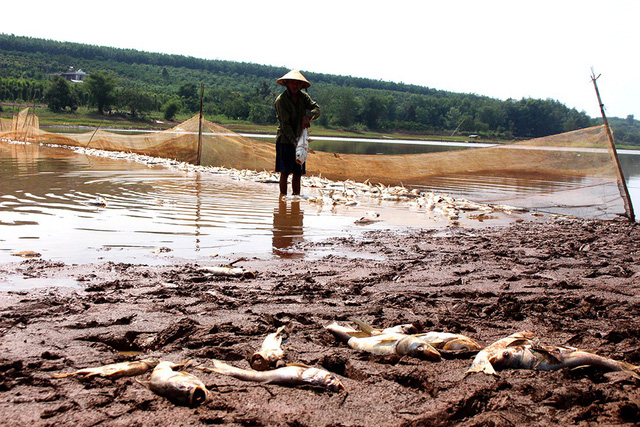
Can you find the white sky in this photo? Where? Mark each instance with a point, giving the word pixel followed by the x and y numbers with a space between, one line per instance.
pixel 498 48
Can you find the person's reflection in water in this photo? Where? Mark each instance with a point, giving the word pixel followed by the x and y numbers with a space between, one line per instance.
pixel 287 229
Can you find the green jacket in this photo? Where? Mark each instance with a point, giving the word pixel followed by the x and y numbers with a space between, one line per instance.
pixel 290 114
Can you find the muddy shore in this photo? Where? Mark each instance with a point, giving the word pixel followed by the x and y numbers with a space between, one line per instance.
pixel 573 282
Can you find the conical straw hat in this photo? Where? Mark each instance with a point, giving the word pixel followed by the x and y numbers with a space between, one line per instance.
pixel 294 75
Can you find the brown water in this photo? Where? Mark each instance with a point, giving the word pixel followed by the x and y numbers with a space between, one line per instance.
pixel 51 202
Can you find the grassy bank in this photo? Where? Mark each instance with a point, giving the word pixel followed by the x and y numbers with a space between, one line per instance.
pixel 90 119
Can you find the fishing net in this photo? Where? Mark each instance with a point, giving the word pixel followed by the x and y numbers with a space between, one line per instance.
pixel 573 173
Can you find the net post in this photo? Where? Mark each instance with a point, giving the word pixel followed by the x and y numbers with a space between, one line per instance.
pixel 199 156
pixel 622 184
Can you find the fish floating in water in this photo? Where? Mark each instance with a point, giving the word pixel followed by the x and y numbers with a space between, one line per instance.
pixel 483 216
pixel 365 221
pixel 179 387
pixel 115 370
pixel 27 254
pixel 368 218
pixel 385 344
pixel 291 375
pixel 270 354
pixel 522 351
pixel 99 202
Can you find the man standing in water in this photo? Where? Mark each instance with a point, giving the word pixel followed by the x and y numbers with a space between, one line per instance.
pixel 294 109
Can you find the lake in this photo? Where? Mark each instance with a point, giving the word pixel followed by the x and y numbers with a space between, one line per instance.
pixel 78 208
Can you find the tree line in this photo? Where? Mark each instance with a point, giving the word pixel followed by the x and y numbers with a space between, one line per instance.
pixel 139 83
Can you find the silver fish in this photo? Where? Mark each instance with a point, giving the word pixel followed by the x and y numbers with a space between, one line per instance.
pixel 387 344
pixel 179 387
pixel 406 328
pixel 440 340
pixel 115 370
pixel 365 221
pixel 270 353
pixel 290 375
pixel 345 333
pixel 229 271
pixel 482 363
pixel 550 358
pixel 395 344
pixel 450 342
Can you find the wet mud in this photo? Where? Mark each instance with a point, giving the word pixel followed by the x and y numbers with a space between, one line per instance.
pixel 573 282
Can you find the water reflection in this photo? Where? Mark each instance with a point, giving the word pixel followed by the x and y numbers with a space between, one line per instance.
pixel 47 204
pixel 287 229
pixel 151 214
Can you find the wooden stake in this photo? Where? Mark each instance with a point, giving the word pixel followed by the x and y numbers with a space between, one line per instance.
pixel 622 184
pixel 93 134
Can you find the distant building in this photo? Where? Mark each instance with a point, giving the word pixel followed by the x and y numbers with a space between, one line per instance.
pixel 74 76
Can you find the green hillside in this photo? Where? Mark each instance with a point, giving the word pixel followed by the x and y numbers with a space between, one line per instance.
pixel 143 85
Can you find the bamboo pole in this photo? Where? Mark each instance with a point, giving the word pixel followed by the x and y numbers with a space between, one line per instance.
pixel 622 184
pixel 94 134
pixel 199 157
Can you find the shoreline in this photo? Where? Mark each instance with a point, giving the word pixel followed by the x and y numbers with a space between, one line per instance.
pixel 571 281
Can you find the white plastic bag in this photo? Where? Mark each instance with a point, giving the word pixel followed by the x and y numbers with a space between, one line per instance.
pixel 302 147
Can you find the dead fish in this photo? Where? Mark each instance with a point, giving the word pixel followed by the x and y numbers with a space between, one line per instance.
pixel 270 352
pixel 551 358
pixel 230 272
pixel 161 250
pixel 345 333
pixel 99 202
pixel 365 221
pixel 386 345
pixel 481 216
pixel 179 387
pixel 27 254
pixel 290 375
pixel 395 344
pixel 482 362
pixel 368 218
pixel 509 209
pixel 406 328
pixel 115 370
pixel 450 342
pixel 440 340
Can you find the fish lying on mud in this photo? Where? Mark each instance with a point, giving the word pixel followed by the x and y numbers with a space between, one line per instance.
pixel 387 344
pixel 440 340
pixel 522 351
pixel 179 387
pixel 450 342
pixel 345 333
pixel 482 361
pixel 290 375
pixel 406 328
pixel 551 358
pixel 270 354
pixel 115 370
pixel 229 271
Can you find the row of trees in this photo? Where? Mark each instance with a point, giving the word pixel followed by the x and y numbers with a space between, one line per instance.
pixel 343 107
pixel 101 91
pixel 141 82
